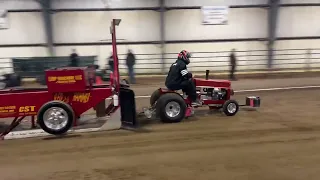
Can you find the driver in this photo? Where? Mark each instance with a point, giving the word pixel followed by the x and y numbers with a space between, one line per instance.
pixel 179 77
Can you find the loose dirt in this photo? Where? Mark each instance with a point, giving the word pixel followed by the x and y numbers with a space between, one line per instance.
pixel 279 141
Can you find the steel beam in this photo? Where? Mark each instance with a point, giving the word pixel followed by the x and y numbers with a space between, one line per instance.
pixel 273 12
pixel 162 33
pixel 47 19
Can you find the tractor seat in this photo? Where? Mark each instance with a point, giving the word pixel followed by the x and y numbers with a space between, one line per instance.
pixel 124 83
pixel 167 90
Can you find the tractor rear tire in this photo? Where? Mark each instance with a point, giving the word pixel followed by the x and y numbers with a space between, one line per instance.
pixel 58 110
pixel 171 108
pixel 230 107
pixel 154 97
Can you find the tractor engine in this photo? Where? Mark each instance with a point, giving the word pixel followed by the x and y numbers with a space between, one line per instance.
pixel 212 93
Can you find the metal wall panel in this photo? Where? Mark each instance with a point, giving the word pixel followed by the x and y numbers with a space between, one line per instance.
pixel 298 21
pixel 242 23
pixel 25 28
pixel 299 1
pixel 73 27
pixel 81 4
pixel 19 4
pixel 176 3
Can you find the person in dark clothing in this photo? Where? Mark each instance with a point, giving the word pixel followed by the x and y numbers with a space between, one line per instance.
pixel 179 77
pixel 130 62
pixel 74 59
pixel 233 64
pixel 111 62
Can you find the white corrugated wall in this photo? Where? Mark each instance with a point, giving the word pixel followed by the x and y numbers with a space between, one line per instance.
pixel 93 26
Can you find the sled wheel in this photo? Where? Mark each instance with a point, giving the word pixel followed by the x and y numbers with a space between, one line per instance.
pixel 171 108
pixel 56 117
pixel 230 107
pixel 154 97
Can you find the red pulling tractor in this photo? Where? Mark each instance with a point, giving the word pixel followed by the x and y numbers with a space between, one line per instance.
pixel 171 106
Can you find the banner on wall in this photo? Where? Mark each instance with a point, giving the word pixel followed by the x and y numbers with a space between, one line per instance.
pixel 4 22
pixel 215 15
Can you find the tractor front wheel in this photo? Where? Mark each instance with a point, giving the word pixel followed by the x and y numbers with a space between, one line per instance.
pixel 230 107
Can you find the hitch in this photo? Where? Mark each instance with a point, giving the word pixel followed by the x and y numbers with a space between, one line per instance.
pixel 149 112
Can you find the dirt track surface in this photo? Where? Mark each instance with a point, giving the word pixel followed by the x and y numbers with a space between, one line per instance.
pixel 279 141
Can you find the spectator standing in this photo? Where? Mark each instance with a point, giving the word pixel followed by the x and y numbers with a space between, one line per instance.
pixel 111 62
pixel 74 59
pixel 233 64
pixel 130 62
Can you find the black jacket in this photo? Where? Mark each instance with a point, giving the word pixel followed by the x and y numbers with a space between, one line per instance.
pixel 74 60
pixel 233 59
pixel 177 74
pixel 130 60
pixel 111 62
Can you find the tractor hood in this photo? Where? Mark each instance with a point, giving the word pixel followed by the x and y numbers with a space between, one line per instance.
pixel 212 82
